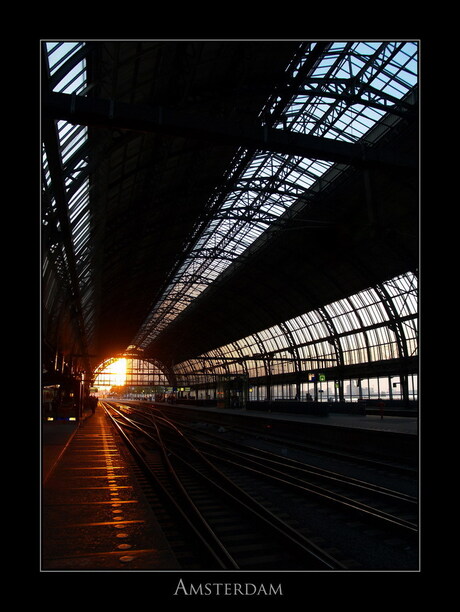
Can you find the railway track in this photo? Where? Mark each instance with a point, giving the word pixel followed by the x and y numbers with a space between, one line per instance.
pixel 249 508
pixel 297 442
pixel 369 499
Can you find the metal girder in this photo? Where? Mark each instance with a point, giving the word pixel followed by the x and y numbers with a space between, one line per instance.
pixel 387 103
pixel 80 110
pixel 52 152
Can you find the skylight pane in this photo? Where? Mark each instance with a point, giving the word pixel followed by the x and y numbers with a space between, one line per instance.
pixel 359 321
pixel 357 83
pixel 69 72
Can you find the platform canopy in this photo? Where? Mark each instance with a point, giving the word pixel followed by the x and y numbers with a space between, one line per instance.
pixel 198 192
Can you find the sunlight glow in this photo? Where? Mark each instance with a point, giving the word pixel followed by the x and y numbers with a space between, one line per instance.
pixel 118 372
pixel 113 375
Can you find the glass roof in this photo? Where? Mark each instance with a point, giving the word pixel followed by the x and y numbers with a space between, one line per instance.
pixel 67 70
pixel 354 86
pixel 362 328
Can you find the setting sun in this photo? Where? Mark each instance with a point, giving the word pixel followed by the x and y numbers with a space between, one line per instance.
pixel 118 372
pixel 113 375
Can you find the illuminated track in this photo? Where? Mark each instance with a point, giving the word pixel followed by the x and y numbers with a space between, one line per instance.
pixel 200 459
pixel 233 529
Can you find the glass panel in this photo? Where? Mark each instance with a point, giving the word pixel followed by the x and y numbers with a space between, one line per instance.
pixel 72 142
pixel 373 341
pixel 352 87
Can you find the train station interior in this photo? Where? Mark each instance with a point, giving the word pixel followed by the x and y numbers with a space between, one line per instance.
pixel 230 224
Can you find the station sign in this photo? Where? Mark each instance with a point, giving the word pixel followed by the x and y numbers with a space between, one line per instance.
pixel 316 377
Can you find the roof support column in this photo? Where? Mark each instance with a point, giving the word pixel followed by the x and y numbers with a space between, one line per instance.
pixel 395 324
pixel 298 364
pixel 334 341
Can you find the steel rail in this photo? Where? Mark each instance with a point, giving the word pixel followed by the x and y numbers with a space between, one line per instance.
pixel 267 471
pixel 340 454
pixel 253 453
pixel 198 525
pixel 231 490
pixel 323 494
pixel 225 486
pixel 228 559
pixel 302 545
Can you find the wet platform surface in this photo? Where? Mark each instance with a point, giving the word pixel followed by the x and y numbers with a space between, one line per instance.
pixel 94 514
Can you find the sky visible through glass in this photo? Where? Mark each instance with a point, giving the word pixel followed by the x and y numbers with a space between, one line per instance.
pixel 388 77
pixel 378 74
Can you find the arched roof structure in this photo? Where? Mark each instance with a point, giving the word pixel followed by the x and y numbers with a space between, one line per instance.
pixel 202 198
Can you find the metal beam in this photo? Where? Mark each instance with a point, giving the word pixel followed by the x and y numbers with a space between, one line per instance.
pixel 58 188
pixel 80 110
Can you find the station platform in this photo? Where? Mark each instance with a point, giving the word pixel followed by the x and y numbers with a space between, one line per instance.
pixel 390 439
pixel 373 422
pixel 94 514
pixel 57 435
